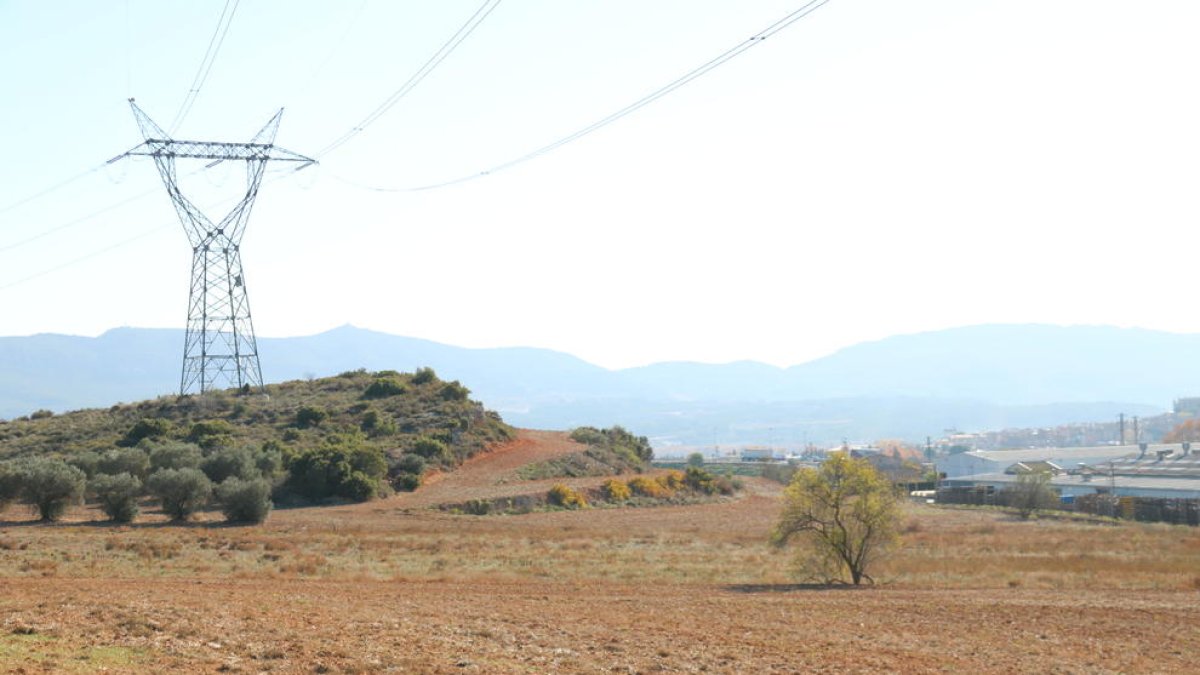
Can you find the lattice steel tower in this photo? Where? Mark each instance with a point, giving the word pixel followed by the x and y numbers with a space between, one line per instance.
pixel 219 349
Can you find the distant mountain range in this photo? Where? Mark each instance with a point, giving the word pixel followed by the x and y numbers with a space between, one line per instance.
pixel 973 378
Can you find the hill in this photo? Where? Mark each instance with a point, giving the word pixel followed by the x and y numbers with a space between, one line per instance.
pixel 973 378
pixel 415 422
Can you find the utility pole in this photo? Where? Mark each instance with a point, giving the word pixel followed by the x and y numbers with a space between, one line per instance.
pixel 219 347
pixel 1121 422
pixel 1137 437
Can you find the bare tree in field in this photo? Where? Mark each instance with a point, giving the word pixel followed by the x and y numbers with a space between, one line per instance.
pixel 844 516
pixel 1031 493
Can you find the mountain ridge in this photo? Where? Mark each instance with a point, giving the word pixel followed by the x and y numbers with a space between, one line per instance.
pixel 1005 373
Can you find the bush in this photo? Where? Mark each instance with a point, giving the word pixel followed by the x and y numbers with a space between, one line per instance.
pixel 52 485
pixel 118 495
pixel 230 462
pixel 308 416
pixel 431 449
pixel 41 414
pixel 173 455
pixel 424 376
pixel 407 482
pixel 145 428
pixel 343 467
pixel 375 424
pixel 695 459
pixel 182 491
pixel 648 487
pixel 245 501
pixel 636 449
pixel 477 507
pixel 210 434
pixel 453 391
pixel 700 480
pixel 672 480
pixel 132 461
pixel 384 387
pixel 615 490
pixel 561 495
pixel 409 464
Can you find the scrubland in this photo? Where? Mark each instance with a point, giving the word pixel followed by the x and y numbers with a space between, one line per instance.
pixel 398 585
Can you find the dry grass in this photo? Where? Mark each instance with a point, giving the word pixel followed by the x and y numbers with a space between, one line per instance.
pixel 398 585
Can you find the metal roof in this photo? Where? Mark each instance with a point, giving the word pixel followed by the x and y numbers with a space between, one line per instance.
pixel 1100 481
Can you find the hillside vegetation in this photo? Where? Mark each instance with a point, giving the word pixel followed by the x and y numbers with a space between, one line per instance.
pixel 609 452
pixel 352 437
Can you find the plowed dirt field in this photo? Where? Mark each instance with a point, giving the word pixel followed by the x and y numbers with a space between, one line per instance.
pixel 396 586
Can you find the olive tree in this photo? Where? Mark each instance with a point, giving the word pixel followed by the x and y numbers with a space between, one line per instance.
pixel 52 485
pixel 118 495
pixel 844 516
pixel 182 491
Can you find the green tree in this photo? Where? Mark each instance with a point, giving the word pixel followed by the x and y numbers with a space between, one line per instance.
pixel 182 491
pixel 1031 493
pixel 237 462
pixel 12 478
pixel 695 459
pixel 118 495
pixel 845 514
pixel 173 455
pixel 52 485
pixel 344 467
pixel 133 461
pixel 245 501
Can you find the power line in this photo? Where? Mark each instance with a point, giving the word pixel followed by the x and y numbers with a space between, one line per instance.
pixel 206 64
pixel 415 79
pixel 712 64
pixel 84 258
pixel 52 188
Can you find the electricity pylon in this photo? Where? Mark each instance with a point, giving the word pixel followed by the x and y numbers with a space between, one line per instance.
pixel 219 349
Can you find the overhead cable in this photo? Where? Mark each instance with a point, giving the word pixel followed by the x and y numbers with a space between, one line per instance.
pixel 52 188
pixel 206 64
pixel 691 75
pixel 421 73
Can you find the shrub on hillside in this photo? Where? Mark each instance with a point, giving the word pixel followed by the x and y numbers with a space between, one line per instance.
pixel 384 387
pixel 182 491
pixel 147 427
pixel 376 424
pixel 308 416
pixel 453 391
pixel 118 495
pixel 616 490
pixel 424 376
pixel 561 495
pixel 244 501
pixel 211 434
pixel 52 485
pixel 406 482
pixel 431 449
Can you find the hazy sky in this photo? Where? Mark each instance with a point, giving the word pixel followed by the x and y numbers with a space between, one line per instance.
pixel 879 167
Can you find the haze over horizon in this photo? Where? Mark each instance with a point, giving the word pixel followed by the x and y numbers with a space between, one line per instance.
pixel 875 169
